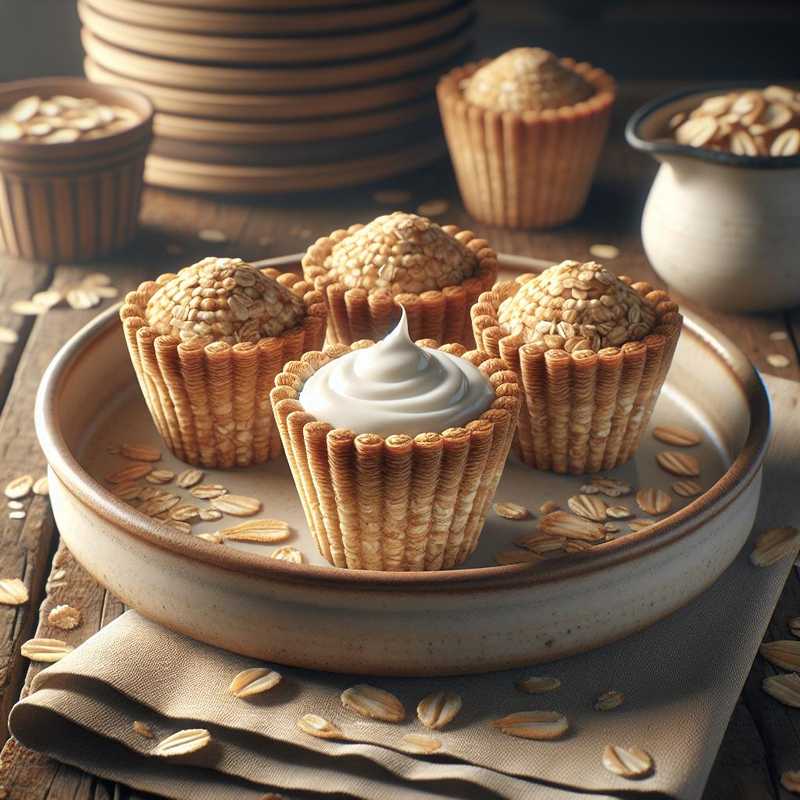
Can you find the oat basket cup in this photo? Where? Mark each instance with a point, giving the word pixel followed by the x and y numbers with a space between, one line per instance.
pixel 206 345
pixel 396 502
pixel 525 132
pixel 368 272
pixel 592 352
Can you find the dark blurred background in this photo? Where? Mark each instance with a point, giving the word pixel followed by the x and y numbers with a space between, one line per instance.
pixel 696 39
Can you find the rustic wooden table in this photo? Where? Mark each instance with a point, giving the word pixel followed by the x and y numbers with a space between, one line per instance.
pixel 763 738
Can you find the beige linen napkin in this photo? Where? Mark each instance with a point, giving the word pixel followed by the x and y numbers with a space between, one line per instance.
pixel 680 678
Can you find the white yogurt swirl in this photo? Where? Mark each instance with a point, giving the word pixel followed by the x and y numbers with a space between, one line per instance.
pixel 395 386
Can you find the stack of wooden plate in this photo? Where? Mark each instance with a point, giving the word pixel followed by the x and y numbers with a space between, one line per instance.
pixel 261 96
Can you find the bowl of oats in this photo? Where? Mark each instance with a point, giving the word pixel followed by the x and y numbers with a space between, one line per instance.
pixel 722 221
pixel 71 159
pixel 563 563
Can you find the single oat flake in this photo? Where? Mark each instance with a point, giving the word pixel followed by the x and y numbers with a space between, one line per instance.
pixel 438 709
pixel 260 531
pixel 41 486
pixel 19 487
pixel 618 512
pixel 212 235
pixel 254 681
pixel 561 523
pixel 420 743
pixel 210 514
pixel 687 488
pixel 774 545
pixel 676 436
pixel 778 360
pixel 548 507
pixel 208 491
pixel 511 511
pixel 681 464
pixel 627 762
pixel 538 684
pixel 237 505
pixel 541 725
pixel 605 252
pixel 314 725
pixel 653 501
pixel 64 617
pixel 13 592
pixel 130 473
pixel 588 506
pixel 373 703
pixel 610 487
pixel 189 478
pixel 45 650
pixel 183 742
pixel 140 452
pixel 608 701
pixel 8 335
pixel 287 553
pixel 159 476
pixel 784 688
pixel 784 653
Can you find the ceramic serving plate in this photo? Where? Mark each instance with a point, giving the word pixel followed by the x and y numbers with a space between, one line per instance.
pixel 475 618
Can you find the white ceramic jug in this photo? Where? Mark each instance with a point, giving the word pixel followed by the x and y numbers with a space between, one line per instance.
pixel 721 229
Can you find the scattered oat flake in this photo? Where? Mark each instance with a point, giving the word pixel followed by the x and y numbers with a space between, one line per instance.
pixel 15 505
pixel 19 487
pixel 610 487
pixel 8 335
pixel 183 742
pixel 287 553
pixel 784 688
pixel 45 650
pixel 254 681
pixel 561 523
pixel 49 298
pixel 676 436
pixel 96 279
pixel 420 743
pixel 214 538
pixel 160 504
pixel 41 486
pixel 392 197
pixel 438 709
pixel 130 473
pixel 28 308
pixel 238 505
pixel 778 336
pixel 373 703
pixel 180 526
pixel 210 514
pixel 140 452
pixel 548 507
pixel 212 235
pixel 608 701
pixel 265 531
pixel 783 653
pixel 541 543
pixel 604 251
pixel 13 592
pixel 774 545
pixel 683 465
pixel 189 478
pixel 208 491
pixel 536 684
pixel 513 556
pixel 158 476
pixel 653 501
pixel 184 513
pixel 542 725
pixel 794 626
pixel 17 515
pixel 588 506
pixel 627 762
pixel 687 488
pixel 143 729
pixel 81 299
pixel 617 512
pixel 314 725
pixel 790 780
pixel 640 524
pixel 64 617
pixel 433 208
pixel 511 511
pixel 778 360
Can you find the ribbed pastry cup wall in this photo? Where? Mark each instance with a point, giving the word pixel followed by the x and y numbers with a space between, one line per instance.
pixel 210 403
pixel 400 502
pixel 582 412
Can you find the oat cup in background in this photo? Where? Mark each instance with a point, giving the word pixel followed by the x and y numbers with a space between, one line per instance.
pixel 206 345
pixel 71 161
pixel 525 132
pixel 592 351
pixel 368 272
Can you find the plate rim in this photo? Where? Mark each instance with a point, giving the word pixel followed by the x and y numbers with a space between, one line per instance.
pixel 90 492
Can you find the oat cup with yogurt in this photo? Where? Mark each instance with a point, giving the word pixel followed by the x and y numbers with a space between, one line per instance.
pixel 206 345
pixel 592 351
pixel 396 448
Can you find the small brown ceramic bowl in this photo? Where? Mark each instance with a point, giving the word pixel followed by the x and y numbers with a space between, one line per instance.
pixel 72 201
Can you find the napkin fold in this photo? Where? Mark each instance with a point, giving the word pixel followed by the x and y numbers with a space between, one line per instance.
pixel 680 678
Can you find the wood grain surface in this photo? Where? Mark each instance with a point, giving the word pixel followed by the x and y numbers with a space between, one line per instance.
pixel 763 737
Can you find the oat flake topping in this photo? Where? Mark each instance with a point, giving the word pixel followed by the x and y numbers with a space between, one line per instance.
pixel 526 79
pixel 226 300
pixel 403 253
pixel 574 306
